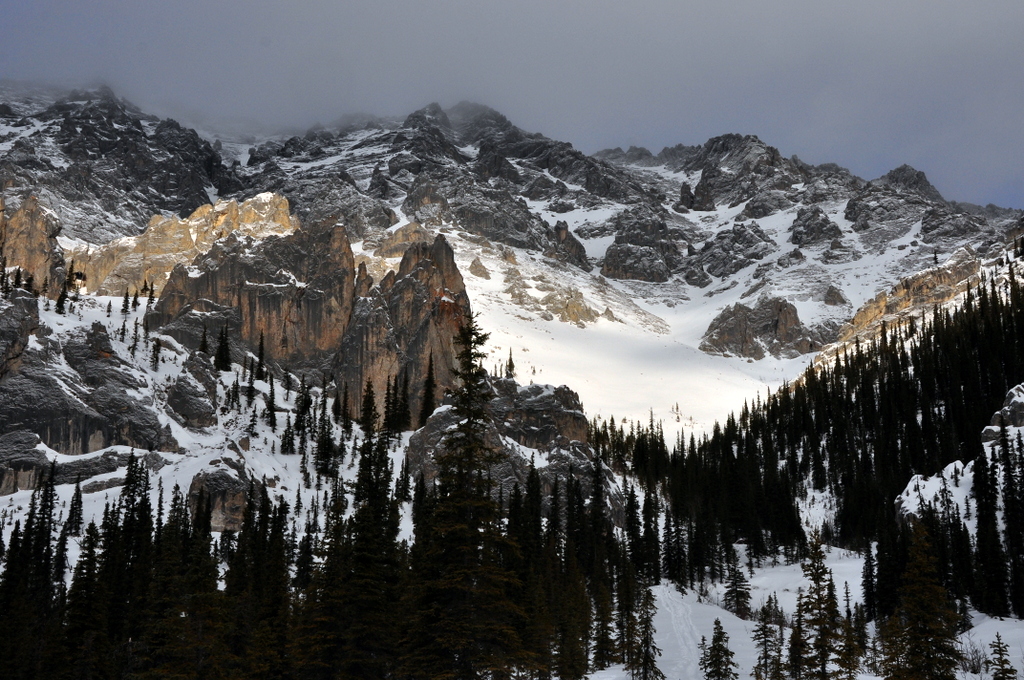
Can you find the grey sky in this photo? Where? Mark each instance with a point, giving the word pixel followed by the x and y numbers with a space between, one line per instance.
pixel 868 84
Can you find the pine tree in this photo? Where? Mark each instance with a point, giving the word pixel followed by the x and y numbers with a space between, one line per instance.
pixel 154 359
pixel 204 345
pixel 463 621
pixel 796 663
pixel 75 519
pixel 767 638
pixel 222 358
pixel 260 371
pixel 271 405
pixel 737 590
pixel 919 640
pixel 125 305
pixel 429 387
pixel 821 613
pixel 716 659
pixel 644 664
pixel 999 663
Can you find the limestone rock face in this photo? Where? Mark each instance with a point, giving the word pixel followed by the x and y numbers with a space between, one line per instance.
pixel 920 291
pixel 22 464
pixel 127 263
pixel 297 290
pixel 105 167
pixel 402 238
pixel 898 198
pixel 411 316
pixel 567 247
pixel 735 168
pixel 646 248
pixel 89 405
pixel 772 326
pixel 1010 415
pixel 28 239
pixel 733 249
pixel 630 261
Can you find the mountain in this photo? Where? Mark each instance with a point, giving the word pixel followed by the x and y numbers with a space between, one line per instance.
pixel 211 313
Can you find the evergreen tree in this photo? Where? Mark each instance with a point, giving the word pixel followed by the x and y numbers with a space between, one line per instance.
pixel 154 359
pixel 999 664
pixel 716 660
pixel 222 357
pixel 75 519
pixel 644 664
pixel 821 613
pixel 429 387
pixel 767 638
pixel 737 590
pixel 464 622
pixel 919 640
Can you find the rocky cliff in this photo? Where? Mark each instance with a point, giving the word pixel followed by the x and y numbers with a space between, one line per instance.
pixel 129 263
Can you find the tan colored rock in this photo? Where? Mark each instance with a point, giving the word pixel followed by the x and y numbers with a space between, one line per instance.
pixel 128 263
pixel 923 290
pixel 477 268
pixel 399 240
pixel 29 240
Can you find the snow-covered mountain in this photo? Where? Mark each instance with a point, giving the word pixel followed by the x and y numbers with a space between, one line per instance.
pixel 668 287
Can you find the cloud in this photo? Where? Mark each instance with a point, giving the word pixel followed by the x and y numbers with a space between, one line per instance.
pixel 869 85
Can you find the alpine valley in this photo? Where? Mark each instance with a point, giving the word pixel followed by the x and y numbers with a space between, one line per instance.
pixel 443 398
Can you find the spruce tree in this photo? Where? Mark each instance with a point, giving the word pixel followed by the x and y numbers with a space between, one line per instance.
pixel 821 613
pixel 464 622
pixel 999 663
pixel 644 664
pixel 429 387
pixel 716 659
pixel 222 357
pixel 919 640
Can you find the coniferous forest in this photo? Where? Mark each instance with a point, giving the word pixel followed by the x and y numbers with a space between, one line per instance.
pixel 540 585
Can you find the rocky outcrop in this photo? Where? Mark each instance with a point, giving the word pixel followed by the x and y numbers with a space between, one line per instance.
pixel 812 226
pixel 735 248
pixel 646 248
pixel 735 168
pixel 399 240
pixel 912 294
pixel 567 248
pixel 295 290
pixel 772 326
pixel 537 424
pixel 637 262
pixel 19 319
pixel 22 462
pixel 105 167
pixel 764 204
pixel 899 198
pixel 488 211
pixel 91 404
pixel 226 495
pixel 28 239
pixel 1010 415
pixel 192 397
pixel 411 316
pixel 128 263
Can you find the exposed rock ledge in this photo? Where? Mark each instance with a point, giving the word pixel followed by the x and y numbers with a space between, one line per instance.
pixel 128 262
pixel 930 287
